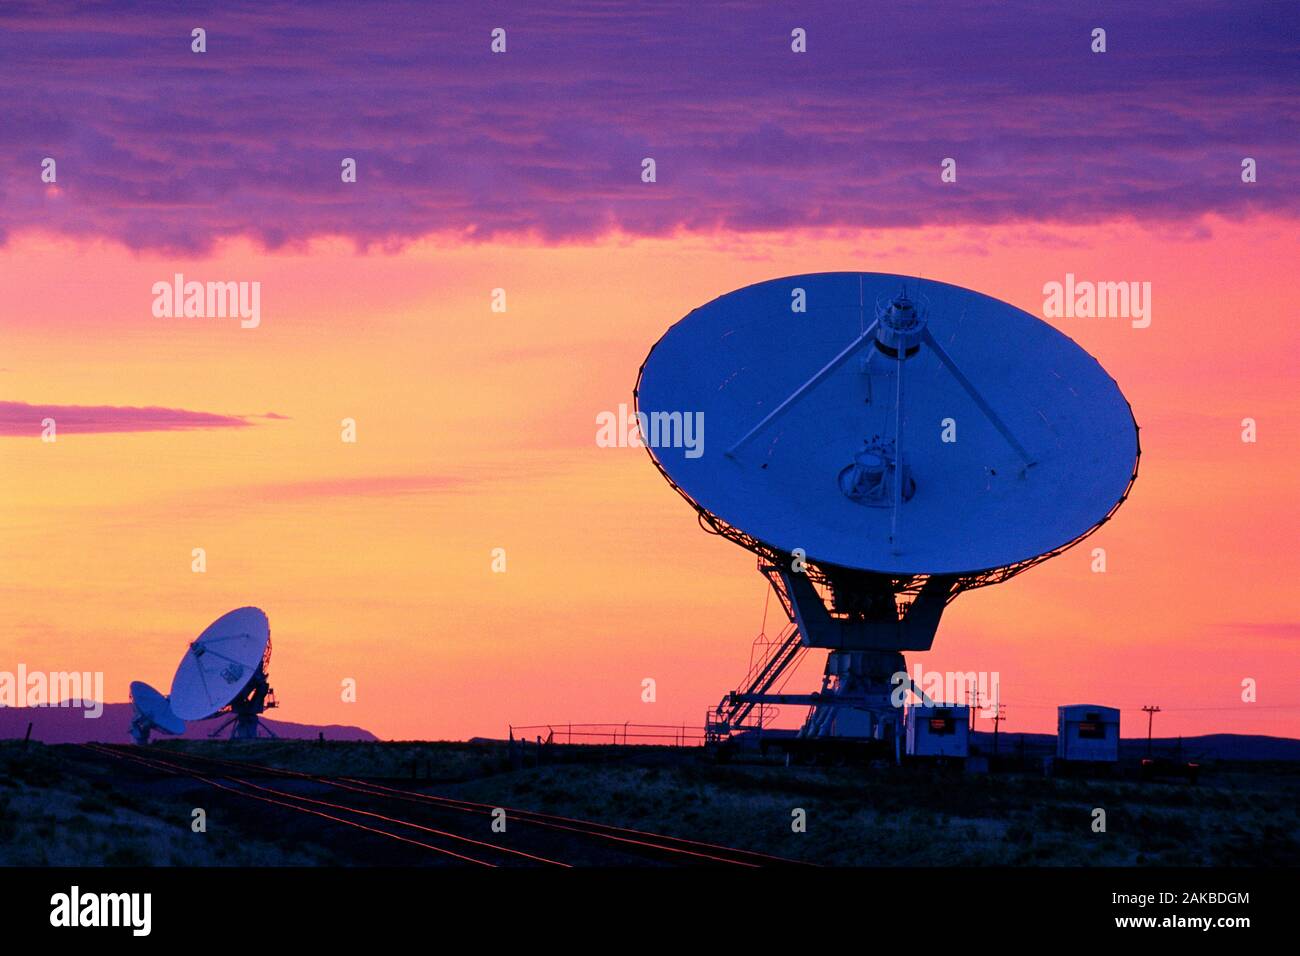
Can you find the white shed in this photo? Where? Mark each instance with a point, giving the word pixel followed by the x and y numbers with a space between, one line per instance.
pixel 1087 732
pixel 941 730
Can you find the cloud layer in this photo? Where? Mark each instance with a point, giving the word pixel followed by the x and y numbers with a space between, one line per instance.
pixel 22 419
pixel 162 148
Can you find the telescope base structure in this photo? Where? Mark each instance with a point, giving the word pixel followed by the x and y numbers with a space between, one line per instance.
pixel 246 711
pixel 244 727
pixel 142 729
pixel 857 697
pixel 857 617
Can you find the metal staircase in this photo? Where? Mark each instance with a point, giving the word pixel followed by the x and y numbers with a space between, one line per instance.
pixel 734 712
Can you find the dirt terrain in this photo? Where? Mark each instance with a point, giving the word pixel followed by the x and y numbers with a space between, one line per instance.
pixel 433 803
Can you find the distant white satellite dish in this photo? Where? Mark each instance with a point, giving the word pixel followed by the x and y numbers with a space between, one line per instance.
pixel 151 712
pixel 226 667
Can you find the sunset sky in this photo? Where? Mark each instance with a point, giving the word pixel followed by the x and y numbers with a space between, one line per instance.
pixel 476 429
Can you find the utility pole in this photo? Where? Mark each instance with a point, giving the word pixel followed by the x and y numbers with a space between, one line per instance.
pixel 1151 713
pixel 1000 716
pixel 974 706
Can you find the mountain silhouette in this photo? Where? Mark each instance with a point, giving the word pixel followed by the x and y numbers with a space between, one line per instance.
pixel 68 725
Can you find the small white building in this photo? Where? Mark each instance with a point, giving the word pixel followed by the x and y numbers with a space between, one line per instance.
pixel 939 730
pixel 1087 732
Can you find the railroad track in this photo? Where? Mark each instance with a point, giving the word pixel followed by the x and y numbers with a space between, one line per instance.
pixel 474 851
pixel 639 843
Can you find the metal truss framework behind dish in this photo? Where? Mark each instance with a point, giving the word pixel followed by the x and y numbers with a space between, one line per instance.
pixel 907 586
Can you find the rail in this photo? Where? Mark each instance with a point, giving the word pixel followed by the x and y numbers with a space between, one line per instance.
pixel 675 735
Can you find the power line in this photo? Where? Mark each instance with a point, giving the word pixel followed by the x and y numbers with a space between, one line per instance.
pixel 1031 704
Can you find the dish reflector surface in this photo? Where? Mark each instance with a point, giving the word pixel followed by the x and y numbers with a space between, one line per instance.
pixel 220 664
pixel 972 504
pixel 152 705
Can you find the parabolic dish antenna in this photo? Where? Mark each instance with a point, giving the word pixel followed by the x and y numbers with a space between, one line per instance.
pixel 221 664
pixel 1014 442
pixel 882 443
pixel 151 712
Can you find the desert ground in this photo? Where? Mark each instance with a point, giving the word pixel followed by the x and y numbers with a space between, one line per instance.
pixel 68 805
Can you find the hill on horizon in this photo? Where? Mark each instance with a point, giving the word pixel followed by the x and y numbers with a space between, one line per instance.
pixel 68 725
pixel 1204 747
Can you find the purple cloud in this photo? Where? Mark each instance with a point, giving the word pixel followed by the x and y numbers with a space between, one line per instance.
pixel 162 148
pixel 21 419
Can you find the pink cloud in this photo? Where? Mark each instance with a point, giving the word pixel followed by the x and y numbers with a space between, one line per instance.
pixel 22 419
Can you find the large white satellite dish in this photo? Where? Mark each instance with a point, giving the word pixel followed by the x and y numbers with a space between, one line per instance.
pixel 151 711
pixel 226 668
pixel 903 440
pixel 1041 449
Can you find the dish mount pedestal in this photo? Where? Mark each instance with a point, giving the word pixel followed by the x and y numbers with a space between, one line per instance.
pixel 859 618
pixel 246 711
